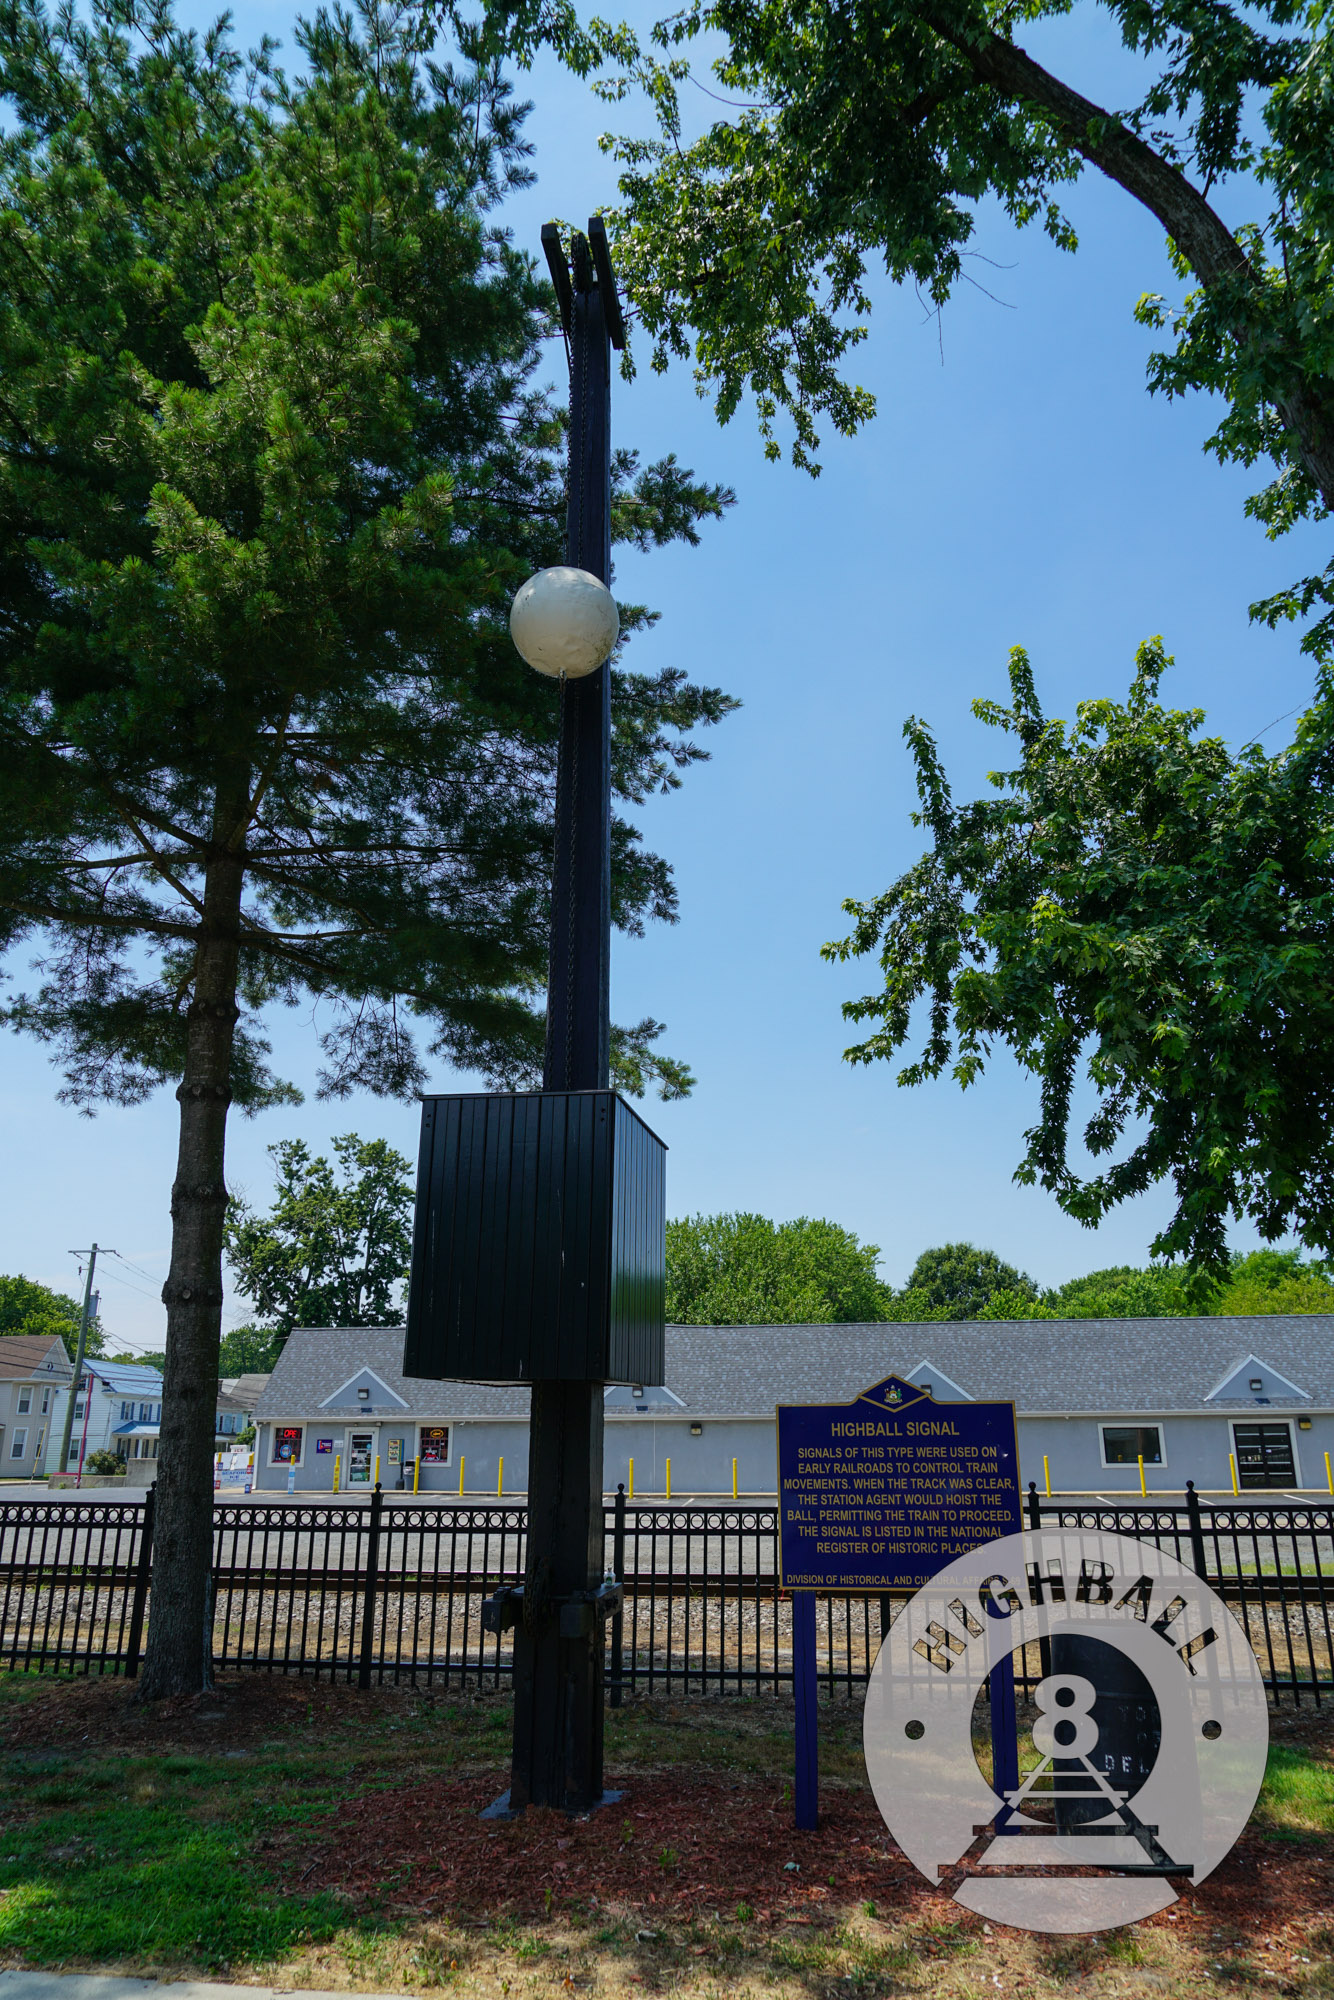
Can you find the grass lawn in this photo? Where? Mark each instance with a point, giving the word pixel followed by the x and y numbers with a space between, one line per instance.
pixel 297 1834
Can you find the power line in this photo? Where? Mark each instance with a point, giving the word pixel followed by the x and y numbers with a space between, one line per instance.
pixel 228 1312
pixel 151 1276
pixel 1268 726
pixel 117 1279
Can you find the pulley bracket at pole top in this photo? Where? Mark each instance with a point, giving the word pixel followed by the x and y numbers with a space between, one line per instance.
pixel 593 245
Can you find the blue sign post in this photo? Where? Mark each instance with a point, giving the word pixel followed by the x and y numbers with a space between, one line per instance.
pixel 877 1495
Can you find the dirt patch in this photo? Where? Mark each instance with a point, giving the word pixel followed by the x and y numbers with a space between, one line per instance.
pixel 105 1713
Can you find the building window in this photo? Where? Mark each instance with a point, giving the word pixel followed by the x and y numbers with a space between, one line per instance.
pixel 435 1444
pixel 46 1401
pixel 127 1413
pixel 287 1444
pixel 19 1444
pixel 25 1399
pixel 78 1408
pixel 41 1440
pixel 1127 1444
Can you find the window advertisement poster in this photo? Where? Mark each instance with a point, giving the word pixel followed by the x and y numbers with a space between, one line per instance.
pixel 323 1445
pixel 435 1444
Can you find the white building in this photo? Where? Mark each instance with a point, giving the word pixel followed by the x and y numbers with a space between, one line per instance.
pixel 117 1407
pixel 1201 1399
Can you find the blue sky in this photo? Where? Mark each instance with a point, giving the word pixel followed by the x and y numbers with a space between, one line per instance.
pixel 1018 486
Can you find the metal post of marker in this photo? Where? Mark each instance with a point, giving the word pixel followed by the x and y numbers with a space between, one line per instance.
pixel 806 1770
pixel 1004 1735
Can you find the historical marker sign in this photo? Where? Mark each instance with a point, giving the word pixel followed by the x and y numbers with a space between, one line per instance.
pixel 880 1493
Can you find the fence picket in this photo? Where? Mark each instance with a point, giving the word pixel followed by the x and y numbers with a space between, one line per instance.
pixel 355 1591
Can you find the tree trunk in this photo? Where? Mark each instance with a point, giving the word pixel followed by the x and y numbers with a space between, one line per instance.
pixel 179 1654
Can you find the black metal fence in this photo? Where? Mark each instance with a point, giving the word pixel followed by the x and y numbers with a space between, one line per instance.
pixel 381 1589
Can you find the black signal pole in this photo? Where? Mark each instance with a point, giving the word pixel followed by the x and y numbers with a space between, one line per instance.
pixel 559 1641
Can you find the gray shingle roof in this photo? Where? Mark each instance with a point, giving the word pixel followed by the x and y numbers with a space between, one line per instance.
pixel 1093 1365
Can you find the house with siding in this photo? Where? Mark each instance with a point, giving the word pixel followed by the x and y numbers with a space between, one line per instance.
pixel 1208 1400
pixel 117 1407
pixel 34 1368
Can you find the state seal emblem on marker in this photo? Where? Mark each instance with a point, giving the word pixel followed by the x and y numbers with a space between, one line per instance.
pixel 1086 1838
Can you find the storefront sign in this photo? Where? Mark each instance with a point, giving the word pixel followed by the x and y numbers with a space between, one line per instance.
pixel 323 1444
pixel 880 1493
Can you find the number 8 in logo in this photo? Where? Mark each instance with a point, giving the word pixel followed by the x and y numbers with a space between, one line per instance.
pixel 1065 1728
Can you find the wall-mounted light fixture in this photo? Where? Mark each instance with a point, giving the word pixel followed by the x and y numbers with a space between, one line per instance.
pixel 363 1395
pixel 1303 1423
pixel 697 1430
pixel 1256 1385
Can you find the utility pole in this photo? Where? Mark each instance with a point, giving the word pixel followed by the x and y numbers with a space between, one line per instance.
pixel 84 1320
pixel 559 1645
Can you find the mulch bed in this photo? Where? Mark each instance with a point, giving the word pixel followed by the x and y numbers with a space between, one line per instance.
pixel 681 1847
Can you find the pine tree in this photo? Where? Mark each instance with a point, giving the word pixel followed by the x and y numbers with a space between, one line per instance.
pixel 272 461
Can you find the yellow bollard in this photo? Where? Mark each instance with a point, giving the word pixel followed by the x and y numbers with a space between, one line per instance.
pixel 377 1468
pixel 338 1467
pixel 669 1479
pixel 734 1478
pixel 500 1478
pixel 631 1494
pixel 1232 1466
pixel 417 1469
pixel 1046 1475
pixel 1142 1487
pixel 462 1462
pixel 1329 1476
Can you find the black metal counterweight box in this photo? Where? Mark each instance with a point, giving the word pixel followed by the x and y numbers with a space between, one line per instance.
pixel 539 1247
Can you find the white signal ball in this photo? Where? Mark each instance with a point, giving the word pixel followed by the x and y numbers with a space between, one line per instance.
pixel 564 621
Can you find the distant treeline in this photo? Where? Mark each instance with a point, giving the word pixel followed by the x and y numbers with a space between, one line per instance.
pixel 743 1270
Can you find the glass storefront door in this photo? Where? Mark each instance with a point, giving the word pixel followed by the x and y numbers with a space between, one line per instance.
pixel 360 1457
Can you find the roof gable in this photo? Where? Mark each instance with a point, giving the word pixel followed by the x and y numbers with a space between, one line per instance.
pixel 347 1396
pixel 623 1396
pixel 941 1387
pixel 1236 1385
pixel 39 1354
